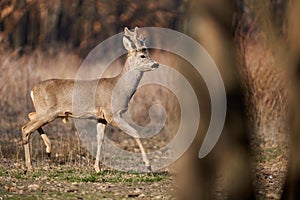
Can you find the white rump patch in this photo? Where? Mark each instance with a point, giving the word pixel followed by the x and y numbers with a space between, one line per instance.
pixel 31 95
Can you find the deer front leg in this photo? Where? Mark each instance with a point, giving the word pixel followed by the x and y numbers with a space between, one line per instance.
pixel 144 155
pixel 131 131
pixel 100 137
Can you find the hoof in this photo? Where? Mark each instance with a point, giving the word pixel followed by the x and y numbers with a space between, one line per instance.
pixel 29 169
pixel 49 155
pixel 149 169
pixel 97 169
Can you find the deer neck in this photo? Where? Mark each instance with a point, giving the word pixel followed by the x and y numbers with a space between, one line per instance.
pixel 126 85
pixel 128 81
pixel 130 76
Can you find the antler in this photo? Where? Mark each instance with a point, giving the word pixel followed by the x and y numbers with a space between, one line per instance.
pixel 138 41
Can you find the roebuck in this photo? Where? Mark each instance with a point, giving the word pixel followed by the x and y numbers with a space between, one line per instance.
pixel 54 99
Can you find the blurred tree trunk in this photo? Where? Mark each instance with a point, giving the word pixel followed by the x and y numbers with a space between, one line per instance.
pixel 264 73
pixel 292 184
pixel 225 172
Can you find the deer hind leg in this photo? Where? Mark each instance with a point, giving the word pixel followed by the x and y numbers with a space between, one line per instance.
pixel 27 129
pixel 34 124
pixel 100 138
pixel 46 140
pixel 129 129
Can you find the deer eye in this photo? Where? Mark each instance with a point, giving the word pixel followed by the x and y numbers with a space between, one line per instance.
pixel 143 56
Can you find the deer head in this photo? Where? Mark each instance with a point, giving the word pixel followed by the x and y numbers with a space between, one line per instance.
pixel 138 55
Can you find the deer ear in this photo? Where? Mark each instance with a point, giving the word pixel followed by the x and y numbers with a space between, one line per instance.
pixel 126 31
pixel 127 44
pixel 136 29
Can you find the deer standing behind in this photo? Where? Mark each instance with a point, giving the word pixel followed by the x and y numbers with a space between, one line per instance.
pixel 54 99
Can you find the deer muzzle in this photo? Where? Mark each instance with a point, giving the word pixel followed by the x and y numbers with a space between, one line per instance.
pixel 155 65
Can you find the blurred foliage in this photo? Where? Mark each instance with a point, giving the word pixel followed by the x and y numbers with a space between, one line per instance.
pixel 79 24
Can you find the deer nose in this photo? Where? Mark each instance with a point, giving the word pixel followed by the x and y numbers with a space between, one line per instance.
pixel 155 65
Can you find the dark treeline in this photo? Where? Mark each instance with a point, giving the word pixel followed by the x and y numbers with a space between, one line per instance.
pixel 78 24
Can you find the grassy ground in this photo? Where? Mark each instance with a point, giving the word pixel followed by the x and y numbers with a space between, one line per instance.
pixel 53 181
